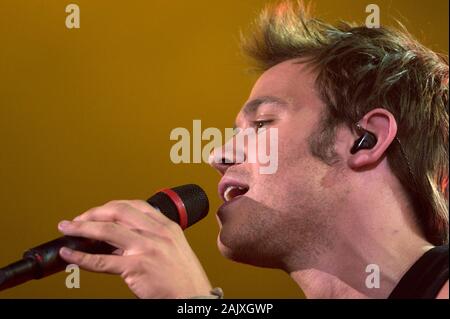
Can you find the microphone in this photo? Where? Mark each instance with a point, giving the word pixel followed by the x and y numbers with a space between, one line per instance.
pixel 185 205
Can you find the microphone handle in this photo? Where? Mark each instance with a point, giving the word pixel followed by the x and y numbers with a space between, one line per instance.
pixel 44 260
pixel 47 256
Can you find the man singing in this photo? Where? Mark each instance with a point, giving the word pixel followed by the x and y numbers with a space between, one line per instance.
pixel 362 120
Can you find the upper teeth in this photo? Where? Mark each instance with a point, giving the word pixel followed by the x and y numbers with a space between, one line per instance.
pixel 227 194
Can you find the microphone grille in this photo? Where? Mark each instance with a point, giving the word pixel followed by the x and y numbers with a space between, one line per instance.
pixel 194 198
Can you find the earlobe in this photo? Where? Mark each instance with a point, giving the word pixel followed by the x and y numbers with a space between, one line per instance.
pixel 358 160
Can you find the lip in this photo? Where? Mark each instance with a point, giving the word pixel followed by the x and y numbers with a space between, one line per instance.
pixel 227 181
pixel 224 206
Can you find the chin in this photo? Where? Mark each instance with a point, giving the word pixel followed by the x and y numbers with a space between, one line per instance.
pixel 224 250
pixel 227 250
pixel 239 252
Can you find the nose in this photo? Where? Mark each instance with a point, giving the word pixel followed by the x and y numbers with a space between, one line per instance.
pixel 226 156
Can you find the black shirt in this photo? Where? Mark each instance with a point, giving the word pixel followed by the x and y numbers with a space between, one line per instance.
pixel 426 277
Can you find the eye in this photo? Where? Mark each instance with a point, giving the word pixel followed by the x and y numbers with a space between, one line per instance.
pixel 261 124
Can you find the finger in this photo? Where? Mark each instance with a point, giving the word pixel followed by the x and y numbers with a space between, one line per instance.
pixel 141 205
pixel 136 214
pixel 122 212
pixel 97 263
pixel 115 234
pixel 146 209
pixel 149 210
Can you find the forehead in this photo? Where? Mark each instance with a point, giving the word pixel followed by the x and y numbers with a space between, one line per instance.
pixel 291 81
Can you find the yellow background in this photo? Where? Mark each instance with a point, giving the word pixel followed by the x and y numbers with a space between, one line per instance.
pixel 85 115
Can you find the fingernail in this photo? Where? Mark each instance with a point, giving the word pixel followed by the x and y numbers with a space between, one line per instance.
pixel 64 224
pixel 66 251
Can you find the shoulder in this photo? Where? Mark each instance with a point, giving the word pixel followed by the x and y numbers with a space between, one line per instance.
pixel 443 293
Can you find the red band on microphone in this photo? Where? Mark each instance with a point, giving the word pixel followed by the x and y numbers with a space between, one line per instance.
pixel 182 214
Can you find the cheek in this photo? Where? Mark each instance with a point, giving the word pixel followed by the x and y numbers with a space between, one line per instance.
pixel 293 157
pixel 290 149
pixel 296 181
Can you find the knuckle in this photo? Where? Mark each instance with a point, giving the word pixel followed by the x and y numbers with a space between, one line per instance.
pixel 112 203
pixel 115 204
pixel 115 209
pixel 163 235
pixel 84 216
pixel 167 239
pixel 93 211
pixel 140 264
pixel 139 202
pixel 150 249
pixel 162 230
pixel 173 227
pixel 76 225
pixel 108 228
pixel 80 258
pixel 118 207
pixel 151 211
pixel 168 228
pixel 90 214
pixel 98 262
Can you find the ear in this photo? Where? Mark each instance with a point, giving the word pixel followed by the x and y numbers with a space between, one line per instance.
pixel 383 125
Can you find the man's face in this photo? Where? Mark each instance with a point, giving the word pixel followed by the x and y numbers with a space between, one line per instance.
pixel 281 213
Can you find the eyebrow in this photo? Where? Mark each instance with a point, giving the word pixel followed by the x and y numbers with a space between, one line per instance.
pixel 252 106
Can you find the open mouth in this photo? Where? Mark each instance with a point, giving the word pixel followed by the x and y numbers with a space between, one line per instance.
pixel 230 190
pixel 234 191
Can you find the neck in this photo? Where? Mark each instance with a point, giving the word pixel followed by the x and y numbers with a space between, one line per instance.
pixel 354 274
pixel 371 251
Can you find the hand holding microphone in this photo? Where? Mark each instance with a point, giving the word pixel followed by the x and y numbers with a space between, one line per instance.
pixel 150 251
